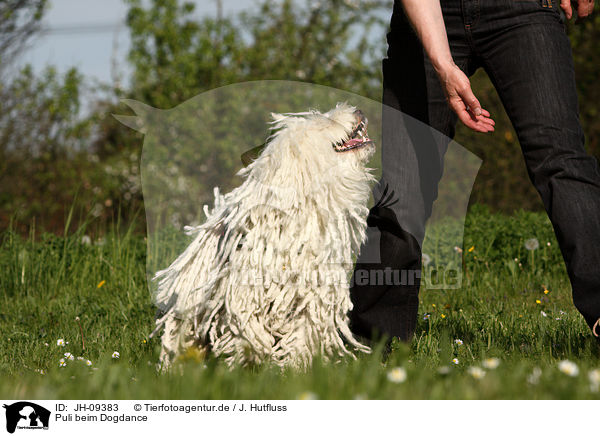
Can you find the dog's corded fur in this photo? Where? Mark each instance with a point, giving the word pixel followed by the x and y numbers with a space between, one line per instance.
pixel 266 277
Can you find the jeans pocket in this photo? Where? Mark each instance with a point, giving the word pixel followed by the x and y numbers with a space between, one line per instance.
pixel 551 6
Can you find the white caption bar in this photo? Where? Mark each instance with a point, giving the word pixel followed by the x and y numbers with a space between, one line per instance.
pixel 311 418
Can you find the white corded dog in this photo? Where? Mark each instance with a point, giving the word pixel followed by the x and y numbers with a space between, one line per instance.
pixel 266 278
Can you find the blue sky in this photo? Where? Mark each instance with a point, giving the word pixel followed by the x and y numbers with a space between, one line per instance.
pixel 89 34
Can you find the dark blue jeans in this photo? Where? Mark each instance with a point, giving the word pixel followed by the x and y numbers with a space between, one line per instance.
pixel 522 46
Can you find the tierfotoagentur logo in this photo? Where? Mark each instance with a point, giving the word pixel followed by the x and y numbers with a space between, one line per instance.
pixel 26 416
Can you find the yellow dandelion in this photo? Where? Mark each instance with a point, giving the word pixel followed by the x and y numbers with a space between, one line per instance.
pixel 538 301
pixel 546 291
pixel 471 249
pixel 102 283
pixel 443 316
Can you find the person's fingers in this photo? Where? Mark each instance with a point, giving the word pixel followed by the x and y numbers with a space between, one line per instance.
pixel 467 96
pixel 467 118
pixel 585 8
pixel 486 120
pixel 566 7
pixel 477 124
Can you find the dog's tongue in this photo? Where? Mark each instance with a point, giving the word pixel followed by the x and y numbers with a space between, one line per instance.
pixel 352 142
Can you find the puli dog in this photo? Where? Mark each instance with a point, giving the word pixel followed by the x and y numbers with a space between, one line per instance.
pixel 266 277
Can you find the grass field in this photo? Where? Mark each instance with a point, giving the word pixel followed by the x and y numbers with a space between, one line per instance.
pixel 514 309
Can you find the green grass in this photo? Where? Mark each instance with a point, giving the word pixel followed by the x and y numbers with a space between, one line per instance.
pixel 46 283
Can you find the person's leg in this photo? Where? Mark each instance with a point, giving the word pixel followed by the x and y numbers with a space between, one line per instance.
pixel 386 303
pixel 528 57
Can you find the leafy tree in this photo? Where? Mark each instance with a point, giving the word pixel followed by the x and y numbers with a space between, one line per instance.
pixel 332 43
pixel 19 20
pixel 41 143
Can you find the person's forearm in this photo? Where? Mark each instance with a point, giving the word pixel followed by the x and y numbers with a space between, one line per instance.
pixel 427 20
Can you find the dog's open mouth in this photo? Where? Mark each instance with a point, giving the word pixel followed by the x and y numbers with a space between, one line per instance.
pixel 357 138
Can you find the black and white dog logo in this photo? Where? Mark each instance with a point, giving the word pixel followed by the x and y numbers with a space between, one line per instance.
pixel 26 415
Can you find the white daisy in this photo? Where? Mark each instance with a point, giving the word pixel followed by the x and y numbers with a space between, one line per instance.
pixel 60 342
pixel 594 378
pixel 88 362
pixel 568 367
pixel 491 363
pixel 397 375
pixel 444 370
pixel 62 362
pixel 458 342
pixel 455 361
pixel 534 377
pixel 307 395
pixel 69 356
pixel 116 355
pixel 476 372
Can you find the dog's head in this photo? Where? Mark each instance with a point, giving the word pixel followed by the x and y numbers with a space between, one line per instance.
pixel 347 126
pixel 338 136
pixel 314 154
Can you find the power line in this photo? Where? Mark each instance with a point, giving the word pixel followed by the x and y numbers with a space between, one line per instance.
pixel 77 29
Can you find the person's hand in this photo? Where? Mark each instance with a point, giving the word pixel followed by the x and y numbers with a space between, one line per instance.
pixel 461 99
pixel 584 8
